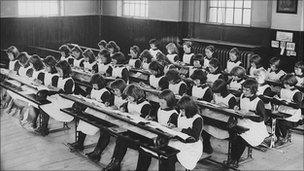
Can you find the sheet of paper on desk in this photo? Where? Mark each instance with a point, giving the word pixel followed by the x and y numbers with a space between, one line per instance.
pixel 155 125
pixel 16 83
pixel 4 71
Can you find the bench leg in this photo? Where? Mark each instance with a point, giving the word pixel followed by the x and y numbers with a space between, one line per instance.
pixel 64 127
pixel 166 164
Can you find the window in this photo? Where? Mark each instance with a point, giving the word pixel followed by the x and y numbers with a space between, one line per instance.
pixel 37 8
pixel 135 8
pixel 230 11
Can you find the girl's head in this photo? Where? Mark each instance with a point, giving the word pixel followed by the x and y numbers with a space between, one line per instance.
pixel 167 99
pixel 102 44
pixel 289 80
pixel 198 60
pixel 238 73
pixel 153 44
pixel 250 87
pixel 214 65
pixel 187 47
pixel 171 48
pixel 98 82
pixel 260 75
pixel 112 47
pixel 234 54
pixel 299 68
pixel 36 62
pixel 209 50
pixel 187 106
pixel 255 60
pixel 118 86
pixel 162 58
pixel 23 58
pixel 156 68
pixel 65 50
pixel 134 93
pixel 50 63
pixel 118 58
pixel 274 63
pixel 103 57
pixel 77 52
pixel 88 55
pixel 63 69
pixel 219 87
pixel 146 56
pixel 199 77
pixel 134 51
pixel 173 76
pixel 12 52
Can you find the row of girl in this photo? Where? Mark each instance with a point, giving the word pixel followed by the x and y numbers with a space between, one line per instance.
pixel 131 98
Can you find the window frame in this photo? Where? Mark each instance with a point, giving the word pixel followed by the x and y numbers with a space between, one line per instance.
pixel 146 4
pixel 229 24
pixel 59 4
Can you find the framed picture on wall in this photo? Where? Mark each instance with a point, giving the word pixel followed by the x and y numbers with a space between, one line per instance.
pixel 287 6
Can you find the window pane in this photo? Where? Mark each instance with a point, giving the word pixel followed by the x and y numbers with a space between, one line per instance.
pixel 238 3
pixel 137 9
pixel 213 3
pixel 229 16
pixel 220 15
pixel 222 3
pixel 247 3
pixel 246 16
pixel 127 9
pixel 237 16
pixel 213 14
pixel 132 10
pixel 38 8
pixel 230 3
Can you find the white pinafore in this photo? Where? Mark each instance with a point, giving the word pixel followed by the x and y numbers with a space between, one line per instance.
pixel 236 85
pixel 199 92
pixel 163 116
pixel 84 126
pixel 118 101
pixel 11 65
pixel 132 62
pixel 287 95
pixel 154 52
pixel 261 90
pixel 300 81
pixel 77 62
pixel 206 62
pixel 102 68
pixel 175 87
pixel 154 82
pixel 214 131
pixel 134 108
pixel 171 57
pixel 231 65
pixel 187 58
pixel 117 72
pixel 271 75
pixel 145 65
pixel 53 109
pixel 258 131
pixel 212 77
pixel 48 78
pixel 88 65
pixel 190 153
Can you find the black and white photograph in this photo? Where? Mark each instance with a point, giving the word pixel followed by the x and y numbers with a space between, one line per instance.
pixel 152 85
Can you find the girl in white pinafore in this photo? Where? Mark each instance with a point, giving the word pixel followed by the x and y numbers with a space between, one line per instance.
pixel 157 80
pixel 188 122
pixel 200 90
pixel 214 71
pixel 224 99
pixel 257 132
pixel 188 56
pixel 119 71
pixel 290 94
pixel 274 72
pixel 117 87
pixel 134 62
pixel 172 53
pixel 209 52
pixel 103 65
pixel 176 85
pixel 89 59
pixel 238 74
pixel 299 73
pixel 100 94
pixel 146 59
pixel 65 85
pixel 234 55
pixel 78 57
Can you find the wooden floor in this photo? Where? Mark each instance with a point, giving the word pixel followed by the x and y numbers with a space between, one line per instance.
pixel 22 150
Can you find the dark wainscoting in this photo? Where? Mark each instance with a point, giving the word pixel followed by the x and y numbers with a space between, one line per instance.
pixel 89 30
pixel 49 32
